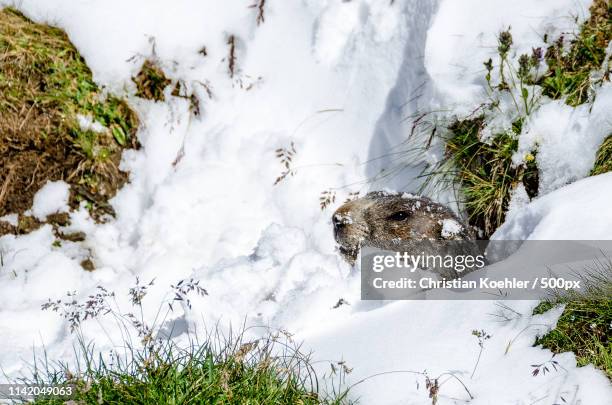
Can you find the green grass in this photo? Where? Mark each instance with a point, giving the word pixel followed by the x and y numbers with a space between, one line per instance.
pixel 603 161
pixel 585 326
pixel 41 68
pixel 485 171
pixel 233 373
pixel 569 72
pixel 584 329
pixel 149 367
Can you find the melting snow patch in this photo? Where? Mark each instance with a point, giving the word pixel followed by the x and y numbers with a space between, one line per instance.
pixel 566 139
pixel 87 123
pixel 12 219
pixel 451 228
pixel 50 199
pixel 580 211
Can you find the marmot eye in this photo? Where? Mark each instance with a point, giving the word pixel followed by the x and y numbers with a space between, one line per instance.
pixel 398 216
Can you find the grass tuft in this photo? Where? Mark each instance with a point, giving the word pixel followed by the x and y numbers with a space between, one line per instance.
pixel 479 151
pixel 570 72
pixel 150 367
pixel 585 326
pixel 485 171
pixel 221 371
pixel 603 161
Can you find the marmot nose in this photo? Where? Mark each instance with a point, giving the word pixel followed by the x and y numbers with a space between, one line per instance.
pixel 338 222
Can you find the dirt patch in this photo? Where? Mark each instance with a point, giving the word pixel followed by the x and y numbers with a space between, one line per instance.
pixel 151 82
pixel 57 124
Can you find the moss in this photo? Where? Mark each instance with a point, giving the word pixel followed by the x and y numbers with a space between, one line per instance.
pixel 45 85
pixel 569 73
pixel 603 161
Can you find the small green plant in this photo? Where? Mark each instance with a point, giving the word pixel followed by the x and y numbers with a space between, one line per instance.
pixel 569 72
pixel 482 337
pixel 585 326
pixel 515 80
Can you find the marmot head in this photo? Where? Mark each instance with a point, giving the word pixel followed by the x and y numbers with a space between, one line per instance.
pixel 385 220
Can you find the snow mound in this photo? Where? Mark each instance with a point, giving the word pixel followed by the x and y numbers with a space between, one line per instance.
pixel 564 214
pixel 566 139
pixel 12 219
pixel 52 198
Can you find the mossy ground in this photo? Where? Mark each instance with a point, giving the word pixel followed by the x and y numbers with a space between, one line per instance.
pixel 44 86
pixel 584 328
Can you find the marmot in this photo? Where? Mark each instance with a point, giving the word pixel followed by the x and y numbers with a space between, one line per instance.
pixel 400 222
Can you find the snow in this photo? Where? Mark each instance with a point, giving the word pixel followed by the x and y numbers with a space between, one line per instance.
pixel 518 199
pixel 566 139
pixel 562 214
pixel 12 219
pixel 450 228
pixel 52 198
pixel 395 341
pixel 338 79
pixel 87 123
pixel 459 27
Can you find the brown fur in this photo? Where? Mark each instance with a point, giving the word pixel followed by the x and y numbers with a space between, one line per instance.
pixel 390 221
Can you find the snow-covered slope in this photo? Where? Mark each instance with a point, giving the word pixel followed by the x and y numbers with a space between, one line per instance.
pixel 562 214
pixel 337 78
